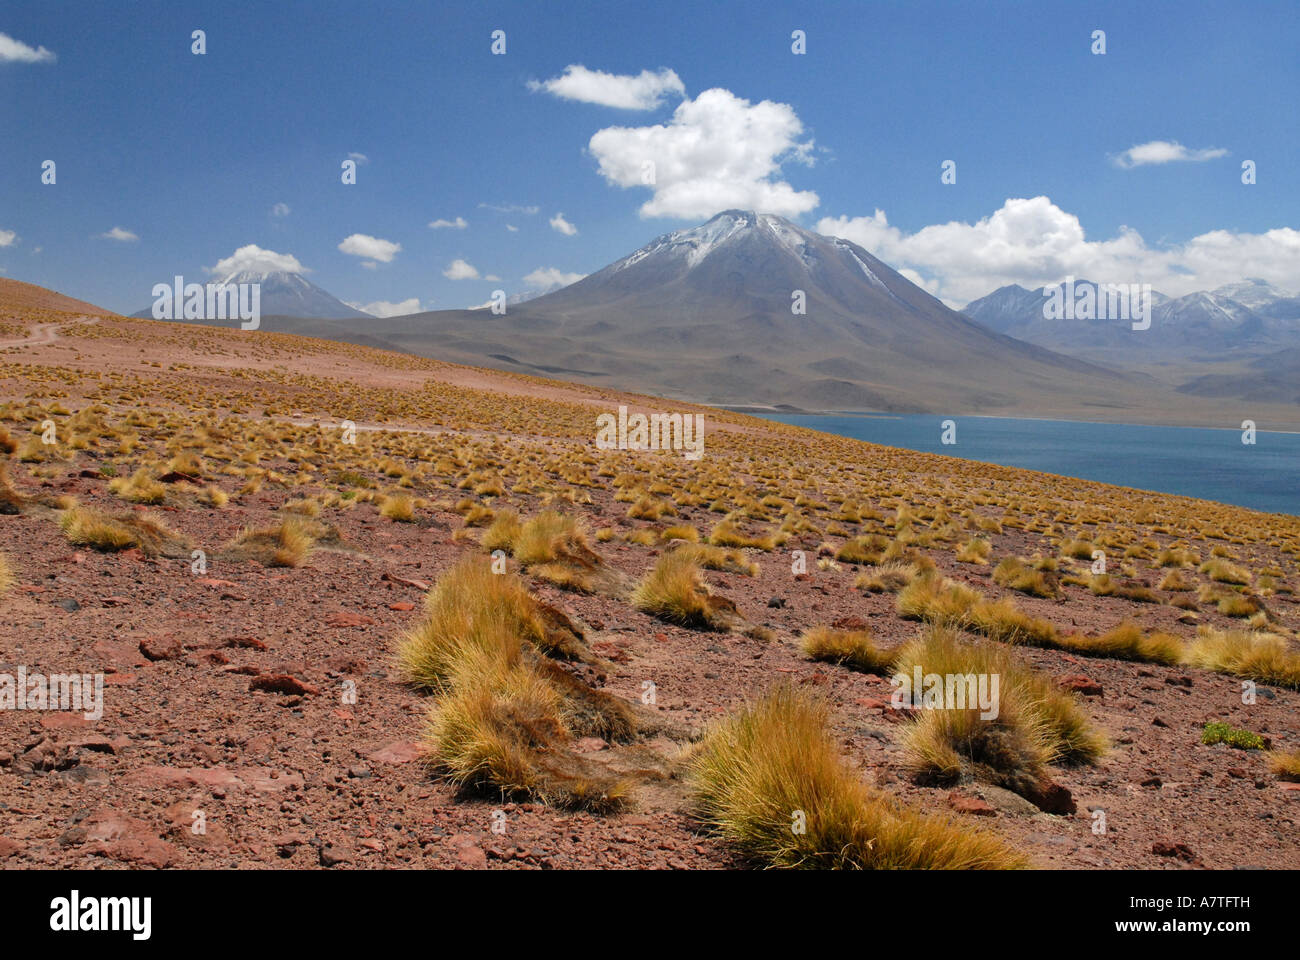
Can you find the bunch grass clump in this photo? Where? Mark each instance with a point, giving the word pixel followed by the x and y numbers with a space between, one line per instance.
pixel 769 780
pixel 851 648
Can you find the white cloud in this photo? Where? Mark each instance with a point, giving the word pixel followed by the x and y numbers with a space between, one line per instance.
pixel 460 270
pixel 1033 242
pixel 360 158
pixel 510 208
pixel 645 91
pixel 254 259
pixel 512 229
pixel 15 51
pixel 546 278
pixel 383 308
pixel 8 238
pixel 492 278
pixel 280 210
pixel 120 235
pixel 560 225
pixel 718 152
pixel 373 248
pixel 460 223
pixel 1164 151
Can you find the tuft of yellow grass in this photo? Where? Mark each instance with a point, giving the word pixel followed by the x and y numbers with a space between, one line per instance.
pixel 6 574
pixel 850 648
pixel 769 780
pixel 399 507
pixel 140 487
pixel 1285 765
pixel 287 544
pixel 505 715
pixel 674 590
pixel 1222 570
pixel 937 600
pixel 1037 723
pixel 120 531
pixel 1015 574
pixel 727 534
pixel 1255 655
pixel 1128 642
pixel 976 550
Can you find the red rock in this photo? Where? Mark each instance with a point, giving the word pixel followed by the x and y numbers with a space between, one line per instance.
pixel 849 623
pixel 257 779
pixel 247 643
pixel 868 703
pixel 62 720
pixel 1078 683
pixel 114 601
pixel 162 648
pixel 114 745
pixel 469 854
pixel 1167 848
pixel 399 751
pixel 210 582
pixel 346 618
pixel 120 651
pixel 9 848
pixel 1051 797
pixel 282 683
pixel 119 679
pixel 402 606
pixel 127 839
pixel 972 805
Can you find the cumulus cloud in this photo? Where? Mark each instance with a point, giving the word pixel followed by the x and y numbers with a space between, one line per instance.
pixel 1164 151
pixel 372 248
pixel 280 210
pixel 645 91
pixel 120 235
pixel 718 151
pixel 460 223
pixel 383 308
pixel 560 225
pixel 8 238
pixel 461 270
pixel 254 259
pixel 1033 242
pixel 360 158
pixel 548 278
pixel 15 51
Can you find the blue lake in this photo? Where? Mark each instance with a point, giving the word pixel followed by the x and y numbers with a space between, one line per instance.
pixel 1209 464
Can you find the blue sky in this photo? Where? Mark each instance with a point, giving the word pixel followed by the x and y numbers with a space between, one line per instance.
pixel 190 155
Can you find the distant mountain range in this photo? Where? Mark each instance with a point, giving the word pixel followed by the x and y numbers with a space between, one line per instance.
pixel 1244 320
pixel 751 310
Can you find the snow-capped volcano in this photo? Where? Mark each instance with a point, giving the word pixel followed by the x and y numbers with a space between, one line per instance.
pixel 293 295
pixel 775 256
pixel 287 294
pixel 751 307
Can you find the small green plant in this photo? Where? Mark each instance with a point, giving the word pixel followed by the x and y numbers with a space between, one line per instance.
pixel 1219 732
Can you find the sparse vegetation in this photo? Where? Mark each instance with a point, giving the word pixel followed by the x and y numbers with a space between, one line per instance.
pixel 774 760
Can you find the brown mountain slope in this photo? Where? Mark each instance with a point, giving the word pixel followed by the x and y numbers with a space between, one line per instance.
pixel 17 295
